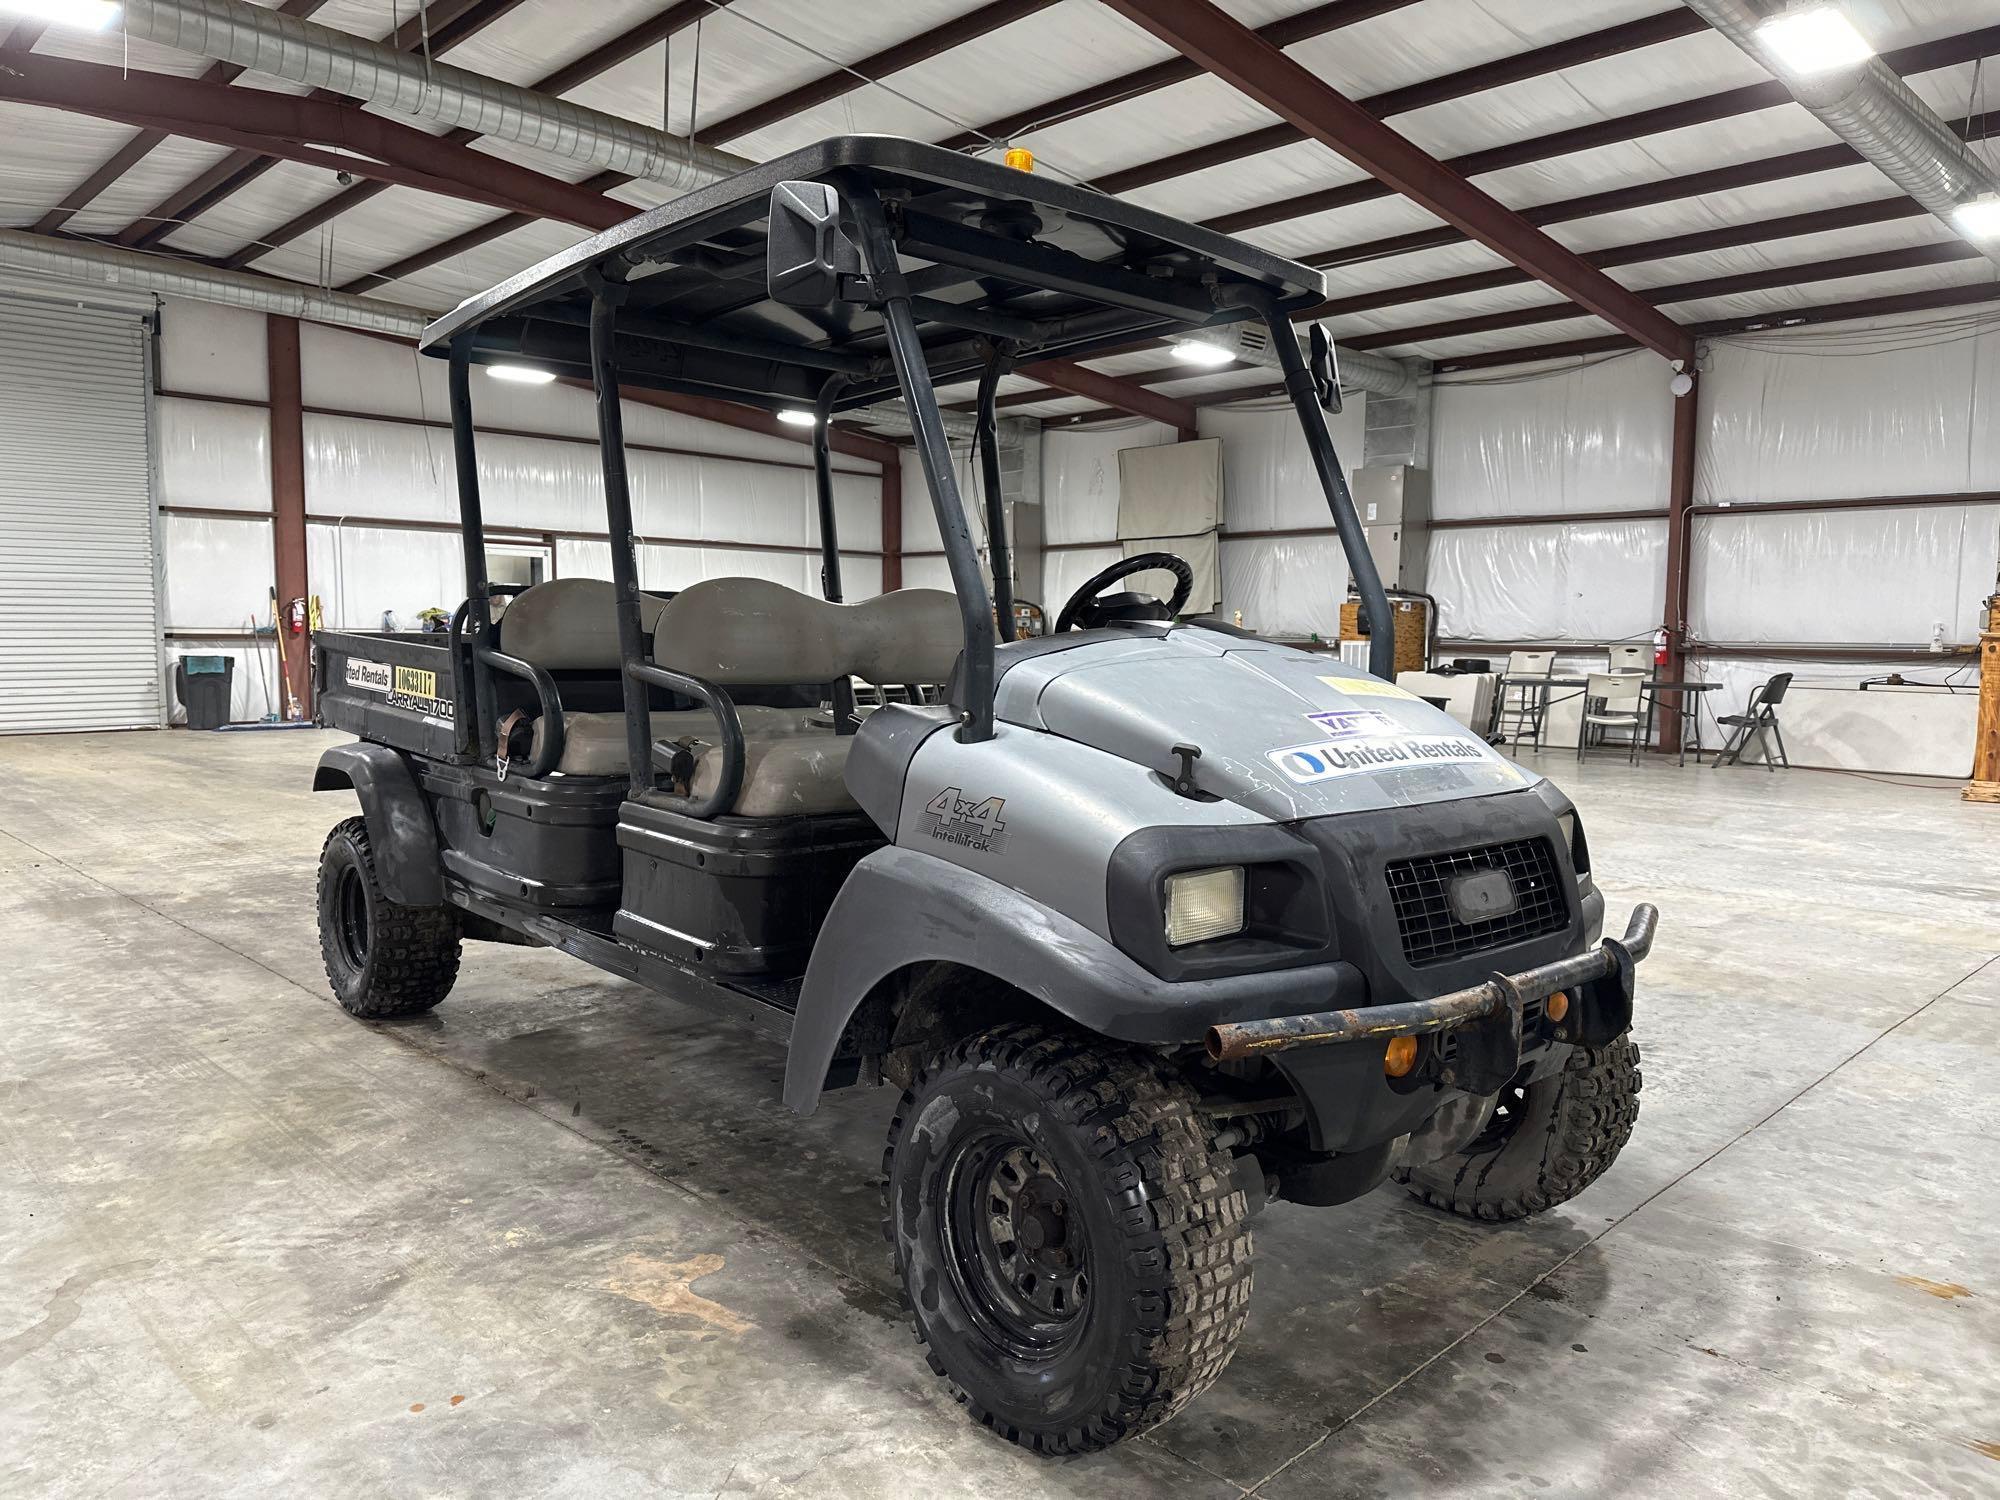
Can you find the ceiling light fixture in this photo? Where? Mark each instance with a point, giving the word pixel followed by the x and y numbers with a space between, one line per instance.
pixel 1811 39
pixel 791 416
pixel 92 15
pixel 521 374
pixel 1979 219
pixel 1196 352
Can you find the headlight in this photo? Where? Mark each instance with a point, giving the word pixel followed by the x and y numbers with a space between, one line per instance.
pixel 1204 904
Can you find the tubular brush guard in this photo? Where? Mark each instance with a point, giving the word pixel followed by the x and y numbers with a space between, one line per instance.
pixel 1487 1015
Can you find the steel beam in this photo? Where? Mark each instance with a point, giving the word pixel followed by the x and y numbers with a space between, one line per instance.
pixel 1594 46
pixel 1259 70
pixel 1093 385
pixel 845 80
pixel 441 25
pixel 1776 320
pixel 216 112
pixel 141 145
pixel 1680 527
pixel 1307 24
pixel 621 48
pixel 1877 263
pixel 1924 57
pixel 288 496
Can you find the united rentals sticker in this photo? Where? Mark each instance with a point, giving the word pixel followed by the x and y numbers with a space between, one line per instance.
pixel 1329 758
pixel 369 676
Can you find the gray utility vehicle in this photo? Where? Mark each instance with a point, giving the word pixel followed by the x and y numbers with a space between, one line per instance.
pixel 1152 922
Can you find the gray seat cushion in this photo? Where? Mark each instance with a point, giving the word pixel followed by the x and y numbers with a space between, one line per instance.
pixel 571 624
pixel 594 744
pixel 752 632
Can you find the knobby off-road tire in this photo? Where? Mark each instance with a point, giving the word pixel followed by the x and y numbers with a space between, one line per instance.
pixel 382 959
pixel 1070 1243
pixel 1545 1144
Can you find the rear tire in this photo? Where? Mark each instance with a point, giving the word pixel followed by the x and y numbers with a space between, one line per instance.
pixel 1071 1244
pixel 382 959
pixel 1546 1142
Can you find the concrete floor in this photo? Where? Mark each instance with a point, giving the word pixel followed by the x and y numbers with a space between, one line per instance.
pixel 560 1239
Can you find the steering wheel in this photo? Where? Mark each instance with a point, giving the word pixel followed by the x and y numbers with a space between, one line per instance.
pixel 1087 611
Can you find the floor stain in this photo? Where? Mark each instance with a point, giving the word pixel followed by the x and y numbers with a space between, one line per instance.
pixel 1985 1445
pixel 65 1307
pixel 1945 1291
pixel 667 1287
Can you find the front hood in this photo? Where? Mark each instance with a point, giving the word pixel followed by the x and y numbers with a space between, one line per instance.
pixel 1286 733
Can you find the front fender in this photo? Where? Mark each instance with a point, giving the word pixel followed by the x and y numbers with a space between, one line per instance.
pixel 401 830
pixel 901 907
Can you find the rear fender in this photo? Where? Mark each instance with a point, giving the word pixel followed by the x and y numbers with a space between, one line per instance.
pixel 401 830
pixel 901 907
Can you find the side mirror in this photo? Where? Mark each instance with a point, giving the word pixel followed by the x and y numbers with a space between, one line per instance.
pixel 1325 367
pixel 807 250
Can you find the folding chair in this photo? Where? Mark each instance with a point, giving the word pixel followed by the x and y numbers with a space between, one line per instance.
pixel 1759 718
pixel 1631 659
pixel 1524 705
pixel 1612 701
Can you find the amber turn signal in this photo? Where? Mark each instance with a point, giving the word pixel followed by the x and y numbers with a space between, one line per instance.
pixel 1020 158
pixel 1558 1006
pixel 1400 1057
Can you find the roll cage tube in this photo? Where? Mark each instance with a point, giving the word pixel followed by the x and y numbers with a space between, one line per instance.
pixel 1339 500
pixel 548 697
pixel 975 606
pixel 606 298
pixel 472 538
pixel 998 363
pixel 829 521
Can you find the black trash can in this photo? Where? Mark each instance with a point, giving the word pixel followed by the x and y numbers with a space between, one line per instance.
pixel 202 683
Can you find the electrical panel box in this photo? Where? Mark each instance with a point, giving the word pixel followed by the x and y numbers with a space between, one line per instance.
pixel 1395 505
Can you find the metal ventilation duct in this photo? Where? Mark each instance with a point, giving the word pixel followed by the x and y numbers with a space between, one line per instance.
pixel 1877 114
pixel 282 46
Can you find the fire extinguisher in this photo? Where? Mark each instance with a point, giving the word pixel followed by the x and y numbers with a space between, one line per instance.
pixel 1660 647
pixel 295 617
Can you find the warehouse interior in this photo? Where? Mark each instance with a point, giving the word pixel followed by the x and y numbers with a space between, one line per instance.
pixel 1659 345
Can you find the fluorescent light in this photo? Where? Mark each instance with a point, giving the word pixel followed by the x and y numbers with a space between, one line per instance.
pixel 1815 39
pixel 1195 352
pixel 793 417
pixel 1980 218
pixel 92 15
pixel 521 374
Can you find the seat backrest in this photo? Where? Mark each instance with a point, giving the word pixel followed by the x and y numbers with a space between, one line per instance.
pixel 1773 692
pixel 1631 658
pixel 751 632
pixel 571 624
pixel 1530 663
pixel 1619 690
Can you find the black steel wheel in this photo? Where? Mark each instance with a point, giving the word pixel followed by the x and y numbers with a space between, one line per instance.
pixel 382 959
pixel 1072 1247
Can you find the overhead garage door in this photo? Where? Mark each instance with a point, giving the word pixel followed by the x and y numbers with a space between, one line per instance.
pixel 79 613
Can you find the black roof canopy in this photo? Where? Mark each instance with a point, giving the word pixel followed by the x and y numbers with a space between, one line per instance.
pixel 990 252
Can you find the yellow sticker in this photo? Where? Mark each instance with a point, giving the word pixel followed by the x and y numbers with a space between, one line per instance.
pixel 1367 687
pixel 416 683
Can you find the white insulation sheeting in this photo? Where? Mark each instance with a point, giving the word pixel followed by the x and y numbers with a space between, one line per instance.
pixel 1571 581
pixel 395 465
pixel 1589 437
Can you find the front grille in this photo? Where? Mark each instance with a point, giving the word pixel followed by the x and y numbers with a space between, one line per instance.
pixel 1420 889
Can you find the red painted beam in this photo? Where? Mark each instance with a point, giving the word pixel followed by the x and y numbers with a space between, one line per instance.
pixel 1109 390
pixel 621 48
pixel 1680 524
pixel 288 495
pixel 445 23
pixel 208 111
pixel 1611 41
pixel 1307 24
pixel 1923 57
pixel 904 54
pixel 1775 321
pixel 1234 53
pixel 1877 263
